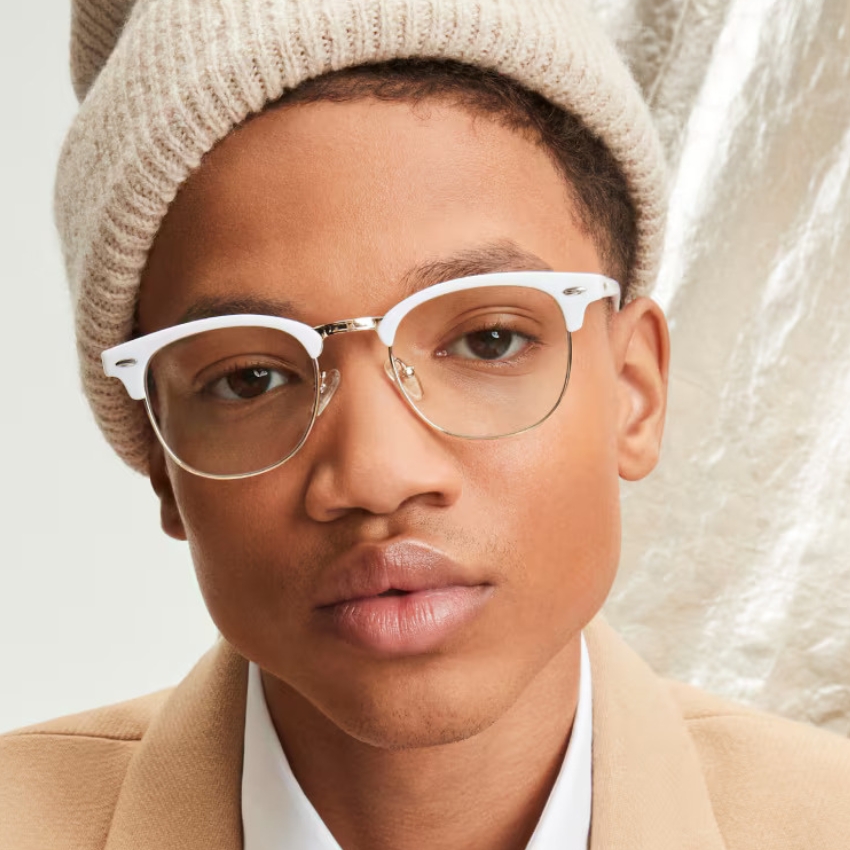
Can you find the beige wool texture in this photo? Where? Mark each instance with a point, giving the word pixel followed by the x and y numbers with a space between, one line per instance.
pixel 162 81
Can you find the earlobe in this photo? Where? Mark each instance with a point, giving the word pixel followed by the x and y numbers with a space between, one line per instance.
pixel 172 521
pixel 642 343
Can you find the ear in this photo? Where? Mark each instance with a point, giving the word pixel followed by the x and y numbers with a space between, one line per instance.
pixel 642 358
pixel 172 522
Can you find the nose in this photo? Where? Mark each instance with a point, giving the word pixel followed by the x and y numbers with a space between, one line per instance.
pixel 372 453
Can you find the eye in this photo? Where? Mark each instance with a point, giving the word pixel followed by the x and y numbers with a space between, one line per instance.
pixel 243 384
pixel 489 344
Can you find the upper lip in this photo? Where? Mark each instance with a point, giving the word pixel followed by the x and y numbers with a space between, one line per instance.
pixel 371 569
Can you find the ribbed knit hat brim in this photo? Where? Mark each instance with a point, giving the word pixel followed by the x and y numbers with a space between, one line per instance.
pixel 162 81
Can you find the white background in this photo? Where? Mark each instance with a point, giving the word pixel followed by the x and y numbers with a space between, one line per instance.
pixel 96 603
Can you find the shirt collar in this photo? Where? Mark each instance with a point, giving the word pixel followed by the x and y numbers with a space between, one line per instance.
pixel 276 813
pixel 565 822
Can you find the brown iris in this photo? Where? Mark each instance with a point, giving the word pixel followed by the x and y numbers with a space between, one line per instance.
pixel 490 344
pixel 249 383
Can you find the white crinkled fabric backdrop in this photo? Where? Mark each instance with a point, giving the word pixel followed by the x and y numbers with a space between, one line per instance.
pixel 735 572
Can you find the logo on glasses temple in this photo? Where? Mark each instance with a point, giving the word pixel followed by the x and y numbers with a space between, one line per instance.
pixel 575 290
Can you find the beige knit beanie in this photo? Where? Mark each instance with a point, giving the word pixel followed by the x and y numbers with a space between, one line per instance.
pixel 162 81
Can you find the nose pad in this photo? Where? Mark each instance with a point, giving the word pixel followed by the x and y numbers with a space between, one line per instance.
pixel 327 388
pixel 406 378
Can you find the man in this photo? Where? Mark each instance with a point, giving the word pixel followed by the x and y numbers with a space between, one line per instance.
pixel 384 350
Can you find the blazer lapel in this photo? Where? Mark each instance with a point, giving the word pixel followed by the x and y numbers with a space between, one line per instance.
pixel 183 785
pixel 648 786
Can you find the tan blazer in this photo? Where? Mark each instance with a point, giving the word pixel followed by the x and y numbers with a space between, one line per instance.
pixel 673 768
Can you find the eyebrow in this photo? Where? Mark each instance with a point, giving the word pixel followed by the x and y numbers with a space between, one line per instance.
pixel 211 306
pixel 503 255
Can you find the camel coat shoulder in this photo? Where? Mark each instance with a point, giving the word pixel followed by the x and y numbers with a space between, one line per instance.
pixel 673 768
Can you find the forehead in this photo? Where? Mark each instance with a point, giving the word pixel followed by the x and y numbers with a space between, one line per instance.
pixel 333 208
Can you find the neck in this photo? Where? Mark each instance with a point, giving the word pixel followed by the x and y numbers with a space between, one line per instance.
pixel 487 791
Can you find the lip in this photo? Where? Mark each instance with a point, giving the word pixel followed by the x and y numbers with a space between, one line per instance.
pixel 439 598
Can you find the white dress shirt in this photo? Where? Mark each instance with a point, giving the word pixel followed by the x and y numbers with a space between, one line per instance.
pixel 276 814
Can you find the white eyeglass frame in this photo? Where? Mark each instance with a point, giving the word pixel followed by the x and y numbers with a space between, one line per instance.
pixel 129 361
pixel 573 291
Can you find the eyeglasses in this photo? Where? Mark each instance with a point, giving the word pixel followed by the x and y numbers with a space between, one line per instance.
pixel 479 358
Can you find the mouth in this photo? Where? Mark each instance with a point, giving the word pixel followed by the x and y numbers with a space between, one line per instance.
pixel 405 598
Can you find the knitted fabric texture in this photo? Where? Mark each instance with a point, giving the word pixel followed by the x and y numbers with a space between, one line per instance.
pixel 162 81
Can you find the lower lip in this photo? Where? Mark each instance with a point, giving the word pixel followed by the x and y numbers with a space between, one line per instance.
pixel 415 623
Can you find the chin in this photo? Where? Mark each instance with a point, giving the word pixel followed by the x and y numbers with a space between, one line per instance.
pixel 413 711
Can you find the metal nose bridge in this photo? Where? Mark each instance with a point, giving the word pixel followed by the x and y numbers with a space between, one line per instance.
pixel 364 323
pixel 398 371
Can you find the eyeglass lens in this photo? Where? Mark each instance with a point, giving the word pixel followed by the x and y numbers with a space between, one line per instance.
pixel 483 362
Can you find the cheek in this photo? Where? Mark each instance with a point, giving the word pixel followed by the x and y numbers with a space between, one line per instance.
pixel 238 536
pixel 554 492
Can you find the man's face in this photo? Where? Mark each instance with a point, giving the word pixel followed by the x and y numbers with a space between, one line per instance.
pixel 330 206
